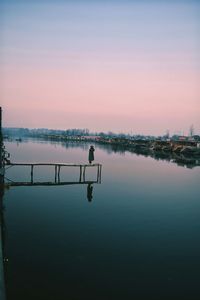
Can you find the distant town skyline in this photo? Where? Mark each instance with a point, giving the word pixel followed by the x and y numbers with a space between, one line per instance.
pixel 121 66
pixel 85 131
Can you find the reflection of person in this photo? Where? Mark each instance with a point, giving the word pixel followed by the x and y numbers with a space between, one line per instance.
pixel 89 192
pixel 91 154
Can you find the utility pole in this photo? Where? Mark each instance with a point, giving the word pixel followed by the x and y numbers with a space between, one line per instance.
pixel 1 141
pixel 1 153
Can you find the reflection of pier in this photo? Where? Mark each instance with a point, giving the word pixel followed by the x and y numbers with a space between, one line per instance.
pixel 57 173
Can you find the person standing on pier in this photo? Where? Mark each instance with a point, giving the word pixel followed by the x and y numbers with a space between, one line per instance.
pixel 91 154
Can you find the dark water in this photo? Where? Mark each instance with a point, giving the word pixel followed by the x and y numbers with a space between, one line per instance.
pixel 139 237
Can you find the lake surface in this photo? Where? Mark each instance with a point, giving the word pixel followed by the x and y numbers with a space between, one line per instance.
pixel 138 236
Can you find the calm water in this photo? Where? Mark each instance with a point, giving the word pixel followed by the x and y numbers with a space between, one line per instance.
pixel 139 237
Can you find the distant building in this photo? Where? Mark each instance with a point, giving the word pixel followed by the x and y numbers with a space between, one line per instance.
pixel 196 137
pixel 183 138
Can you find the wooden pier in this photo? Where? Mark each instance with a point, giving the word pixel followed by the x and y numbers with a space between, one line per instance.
pixel 57 173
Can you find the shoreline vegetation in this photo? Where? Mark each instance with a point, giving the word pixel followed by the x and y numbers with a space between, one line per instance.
pixel 183 150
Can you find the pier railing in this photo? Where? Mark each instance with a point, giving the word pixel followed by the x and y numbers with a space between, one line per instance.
pixel 57 173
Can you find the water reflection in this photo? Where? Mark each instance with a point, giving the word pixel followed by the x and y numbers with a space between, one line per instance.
pixel 171 157
pixel 5 269
pixel 142 222
pixel 89 192
pixel 179 159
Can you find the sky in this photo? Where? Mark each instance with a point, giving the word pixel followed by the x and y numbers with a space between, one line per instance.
pixel 122 66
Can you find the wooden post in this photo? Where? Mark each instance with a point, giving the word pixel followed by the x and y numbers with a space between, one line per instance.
pixel 55 173
pixel 100 174
pixel 84 173
pixel 80 178
pixel 58 173
pixel 31 173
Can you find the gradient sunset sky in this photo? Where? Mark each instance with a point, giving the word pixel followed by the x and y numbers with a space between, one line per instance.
pixel 122 66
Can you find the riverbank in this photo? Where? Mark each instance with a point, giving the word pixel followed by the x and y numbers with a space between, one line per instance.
pixel 187 147
pixel 184 154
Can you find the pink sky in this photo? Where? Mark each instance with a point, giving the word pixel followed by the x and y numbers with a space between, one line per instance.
pixel 146 102
pixel 109 83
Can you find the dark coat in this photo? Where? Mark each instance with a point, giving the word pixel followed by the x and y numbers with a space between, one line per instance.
pixel 91 154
